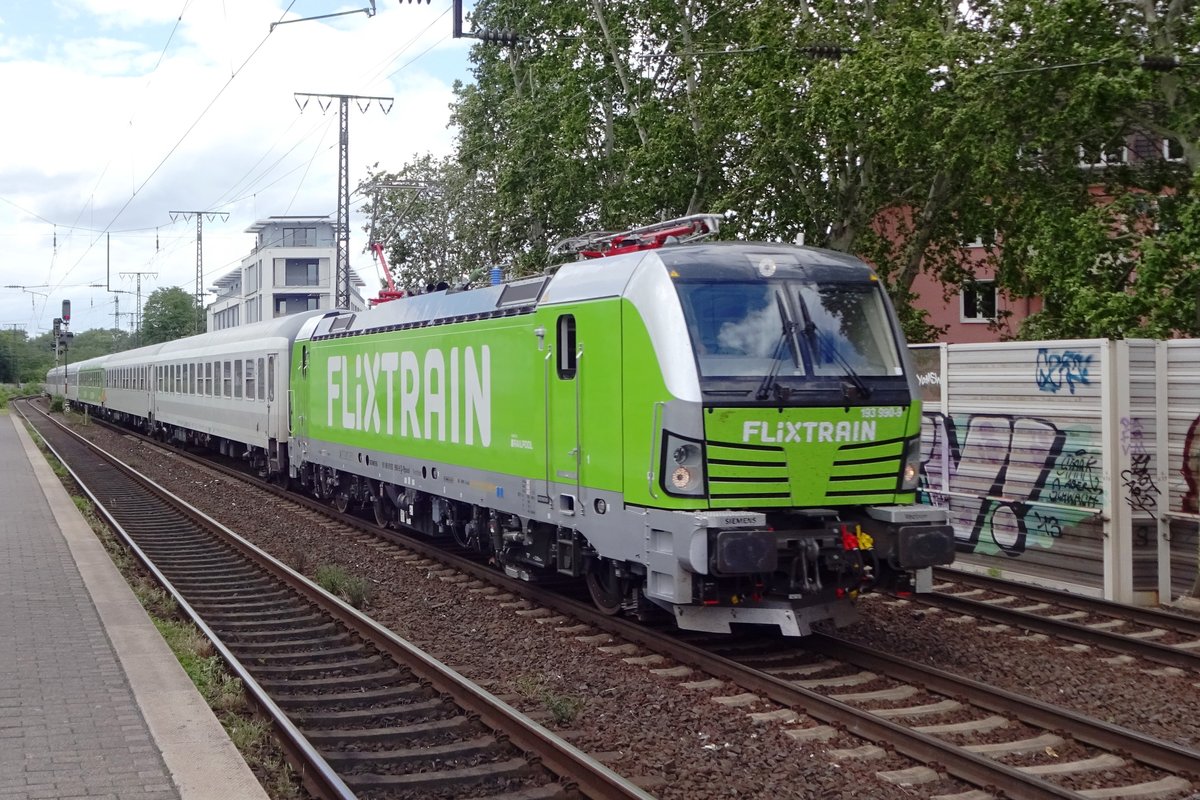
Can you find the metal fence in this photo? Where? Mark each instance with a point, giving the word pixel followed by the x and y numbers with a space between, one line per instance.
pixel 1070 463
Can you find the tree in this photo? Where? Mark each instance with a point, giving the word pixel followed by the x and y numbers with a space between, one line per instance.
pixel 429 228
pixel 169 314
pixel 937 123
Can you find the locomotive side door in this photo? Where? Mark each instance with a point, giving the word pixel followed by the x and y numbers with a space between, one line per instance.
pixel 563 455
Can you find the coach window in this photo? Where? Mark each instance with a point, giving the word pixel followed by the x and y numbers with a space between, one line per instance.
pixel 250 375
pixel 226 379
pixel 566 347
pixel 237 378
pixel 208 379
pixel 271 378
pixel 216 378
pixel 262 394
pixel 192 378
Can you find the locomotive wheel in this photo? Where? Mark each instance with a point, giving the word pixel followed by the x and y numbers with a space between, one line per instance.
pixel 341 501
pixel 607 590
pixel 380 506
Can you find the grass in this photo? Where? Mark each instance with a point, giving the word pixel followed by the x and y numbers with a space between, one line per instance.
pixel 10 390
pixel 223 692
pixel 563 708
pixel 333 578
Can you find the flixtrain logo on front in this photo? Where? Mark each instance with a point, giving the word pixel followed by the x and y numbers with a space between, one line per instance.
pixel 431 395
pixel 784 432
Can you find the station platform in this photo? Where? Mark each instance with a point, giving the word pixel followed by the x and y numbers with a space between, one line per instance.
pixel 93 704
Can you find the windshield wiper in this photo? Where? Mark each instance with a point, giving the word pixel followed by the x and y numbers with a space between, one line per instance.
pixel 768 382
pixel 858 382
pixel 810 332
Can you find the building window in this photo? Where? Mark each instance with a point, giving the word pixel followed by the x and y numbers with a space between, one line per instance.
pixel 1106 155
pixel 294 304
pixel 1172 150
pixel 251 281
pixel 979 301
pixel 299 237
pixel 301 272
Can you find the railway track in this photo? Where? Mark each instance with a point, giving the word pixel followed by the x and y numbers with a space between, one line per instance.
pixel 359 710
pixel 1170 639
pixel 897 706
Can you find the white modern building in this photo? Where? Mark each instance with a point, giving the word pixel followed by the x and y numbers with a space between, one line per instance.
pixel 290 269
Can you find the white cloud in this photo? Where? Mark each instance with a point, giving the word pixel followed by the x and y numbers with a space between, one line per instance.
pixel 98 135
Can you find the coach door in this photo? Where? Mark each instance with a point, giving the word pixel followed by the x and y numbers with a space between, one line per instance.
pixel 563 448
pixel 268 380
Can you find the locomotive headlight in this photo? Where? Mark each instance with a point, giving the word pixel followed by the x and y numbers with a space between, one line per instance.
pixel 911 471
pixel 682 471
pixel 681 477
pixel 685 454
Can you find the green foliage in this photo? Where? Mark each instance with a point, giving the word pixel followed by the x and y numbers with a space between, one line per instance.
pixel 56 404
pixel 170 314
pixel 563 708
pixel 355 590
pixel 28 360
pixel 943 123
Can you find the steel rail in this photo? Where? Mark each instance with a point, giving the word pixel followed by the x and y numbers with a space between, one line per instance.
pixel 1141 747
pixel 1142 616
pixel 584 773
pixel 1065 629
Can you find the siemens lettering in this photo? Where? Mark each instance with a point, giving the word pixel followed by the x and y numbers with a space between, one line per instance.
pixel 783 432
pixel 434 396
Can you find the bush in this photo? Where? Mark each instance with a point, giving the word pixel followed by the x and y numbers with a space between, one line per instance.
pixel 56 404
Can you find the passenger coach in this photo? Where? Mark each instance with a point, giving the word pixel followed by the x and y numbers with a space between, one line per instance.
pixel 225 390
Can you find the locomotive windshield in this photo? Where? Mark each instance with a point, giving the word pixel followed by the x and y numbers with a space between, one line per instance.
pixel 789 328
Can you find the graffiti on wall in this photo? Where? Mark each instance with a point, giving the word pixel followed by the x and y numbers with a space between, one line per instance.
pixel 1191 468
pixel 997 465
pixel 1078 480
pixel 1141 493
pixel 1058 369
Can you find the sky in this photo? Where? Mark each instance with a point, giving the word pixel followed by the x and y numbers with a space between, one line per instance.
pixel 123 111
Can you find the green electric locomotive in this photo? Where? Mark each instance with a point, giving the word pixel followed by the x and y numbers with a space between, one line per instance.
pixel 727 431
